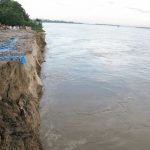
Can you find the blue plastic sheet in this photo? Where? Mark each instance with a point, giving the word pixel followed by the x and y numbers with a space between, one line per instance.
pixel 7 47
pixel 10 45
pixel 9 57
pixel 22 59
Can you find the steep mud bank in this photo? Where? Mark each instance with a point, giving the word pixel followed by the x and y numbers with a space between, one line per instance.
pixel 20 89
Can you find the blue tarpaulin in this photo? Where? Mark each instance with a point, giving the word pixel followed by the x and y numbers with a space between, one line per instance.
pixel 21 58
pixel 9 45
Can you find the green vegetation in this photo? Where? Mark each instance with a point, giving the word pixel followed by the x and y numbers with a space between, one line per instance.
pixel 36 25
pixel 60 21
pixel 13 14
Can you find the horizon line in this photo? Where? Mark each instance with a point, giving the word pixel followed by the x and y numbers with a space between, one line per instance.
pixel 105 24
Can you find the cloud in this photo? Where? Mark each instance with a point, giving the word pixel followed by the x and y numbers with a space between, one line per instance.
pixel 131 12
pixel 111 2
pixel 140 10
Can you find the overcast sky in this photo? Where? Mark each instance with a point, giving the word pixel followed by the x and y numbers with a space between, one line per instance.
pixel 127 12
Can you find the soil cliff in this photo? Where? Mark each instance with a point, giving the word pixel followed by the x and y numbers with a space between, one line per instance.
pixel 20 90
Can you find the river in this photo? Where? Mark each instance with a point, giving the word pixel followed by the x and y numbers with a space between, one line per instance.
pixel 96 92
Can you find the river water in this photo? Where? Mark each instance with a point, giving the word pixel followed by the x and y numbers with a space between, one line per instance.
pixel 96 88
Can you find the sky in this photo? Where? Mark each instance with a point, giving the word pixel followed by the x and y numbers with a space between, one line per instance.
pixel 123 12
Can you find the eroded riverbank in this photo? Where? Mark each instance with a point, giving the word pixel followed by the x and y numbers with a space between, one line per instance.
pixel 20 90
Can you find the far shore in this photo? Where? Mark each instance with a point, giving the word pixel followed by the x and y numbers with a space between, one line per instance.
pixel 72 22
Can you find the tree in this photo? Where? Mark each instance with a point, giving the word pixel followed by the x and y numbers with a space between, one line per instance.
pixel 4 1
pixel 12 13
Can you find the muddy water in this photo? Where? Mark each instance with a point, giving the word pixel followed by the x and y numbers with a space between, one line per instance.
pixel 96 88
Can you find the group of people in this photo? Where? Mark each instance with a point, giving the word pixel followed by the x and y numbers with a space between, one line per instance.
pixel 7 27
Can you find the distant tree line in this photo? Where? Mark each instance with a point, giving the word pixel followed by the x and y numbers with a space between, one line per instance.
pixel 13 14
pixel 60 21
